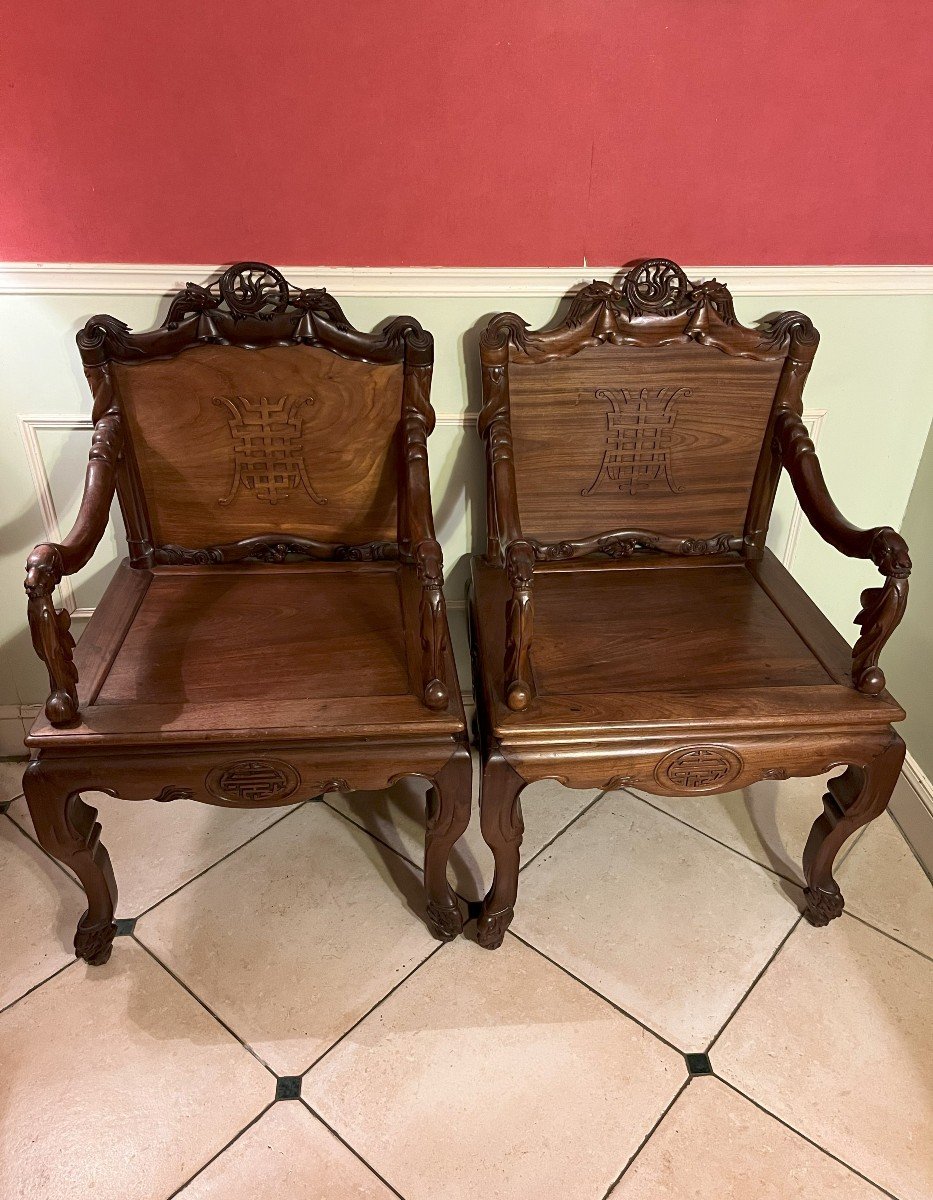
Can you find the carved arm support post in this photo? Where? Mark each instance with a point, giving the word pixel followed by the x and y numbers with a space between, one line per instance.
pixel 416 525
pixel 881 608
pixel 506 540
pixel 49 563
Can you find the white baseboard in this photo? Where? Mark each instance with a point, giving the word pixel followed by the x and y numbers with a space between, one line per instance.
pixel 912 808
pixel 159 279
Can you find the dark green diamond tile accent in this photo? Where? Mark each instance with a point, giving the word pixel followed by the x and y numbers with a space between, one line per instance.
pixel 288 1087
pixel 125 926
pixel 698 1064
pixel 5 805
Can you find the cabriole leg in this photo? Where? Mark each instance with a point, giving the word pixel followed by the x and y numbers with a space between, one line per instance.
pixel 854 798
pixel 502 827
pixel 448 814
pixel 67 828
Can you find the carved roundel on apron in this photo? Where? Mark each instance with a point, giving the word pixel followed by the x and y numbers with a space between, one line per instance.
pixel 699 769
pixel 253 781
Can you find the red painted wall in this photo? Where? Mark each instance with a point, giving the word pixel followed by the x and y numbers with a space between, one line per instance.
pixel 461 133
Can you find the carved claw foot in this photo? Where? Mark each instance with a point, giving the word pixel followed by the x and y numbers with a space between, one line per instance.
pixel 823 904
pixel 491 927
pixel 446 923
pixel 94 943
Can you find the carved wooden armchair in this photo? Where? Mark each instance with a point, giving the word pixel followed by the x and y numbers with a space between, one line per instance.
pixel 629 625
pixel 279 628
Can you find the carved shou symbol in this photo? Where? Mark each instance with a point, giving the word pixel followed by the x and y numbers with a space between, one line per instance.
pixel 700 769
pixel 638 444
pixel 253 781
pixel 267 452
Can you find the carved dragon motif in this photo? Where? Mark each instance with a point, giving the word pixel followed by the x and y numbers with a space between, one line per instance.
pixel 273 548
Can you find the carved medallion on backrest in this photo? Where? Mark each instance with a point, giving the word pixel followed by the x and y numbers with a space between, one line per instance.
pixel 646 408
pixel 257 409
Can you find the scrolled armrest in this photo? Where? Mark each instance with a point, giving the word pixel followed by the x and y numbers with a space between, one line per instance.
pixel 519 621
pixel 881 608
pixel 50 562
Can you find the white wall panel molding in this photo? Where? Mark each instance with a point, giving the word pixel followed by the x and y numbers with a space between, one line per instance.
pixel 912 808
pixel 29 427
pixel 144 279
pixel 461 420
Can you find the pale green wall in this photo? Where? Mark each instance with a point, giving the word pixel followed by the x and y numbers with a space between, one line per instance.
pixel 908 660
pixel 872 376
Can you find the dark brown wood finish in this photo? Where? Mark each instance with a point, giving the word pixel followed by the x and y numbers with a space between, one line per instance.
pixel 629 625
pixel 279 629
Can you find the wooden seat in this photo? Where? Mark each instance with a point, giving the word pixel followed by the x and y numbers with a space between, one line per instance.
pixel 303 652
pixel 279 629
pixel 630 646
pixel 630 627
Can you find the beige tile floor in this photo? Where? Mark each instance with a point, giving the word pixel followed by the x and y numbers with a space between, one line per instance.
pixel 283 954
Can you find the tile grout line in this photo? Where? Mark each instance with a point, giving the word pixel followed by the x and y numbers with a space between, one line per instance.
pixel 754 983
pixel 802 920
pixel 401 853
pixel 780 1120
pixel 771 870
pixel 725 845
pixel 31 838
pixel 356 1154
pixel 375 836
pixel 223 1149
pixel 370 1011
pixel 35 987
pixel 646 1139
pixel 589 987
pixel 292 809
pixel 849 845
pixel 220 1021
pixel 846 912
pixel 565 828
pixel 560 833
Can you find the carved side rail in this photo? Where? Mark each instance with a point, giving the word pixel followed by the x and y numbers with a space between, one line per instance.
pixel 881 608
pixel 50 562
pixel 417 540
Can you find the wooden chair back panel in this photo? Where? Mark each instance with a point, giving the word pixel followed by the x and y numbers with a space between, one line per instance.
pixel 233 442
pixel 661 438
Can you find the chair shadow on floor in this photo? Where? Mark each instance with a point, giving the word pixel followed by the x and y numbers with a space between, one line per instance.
pixel 381 820
pixel 762 801
pixel 395 818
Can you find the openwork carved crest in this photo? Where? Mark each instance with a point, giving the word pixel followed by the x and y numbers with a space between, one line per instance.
pixel 638 444
pixel 257 290
pixel 267 449
pixel 699 768
pixel 656 285
pixel 253 781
